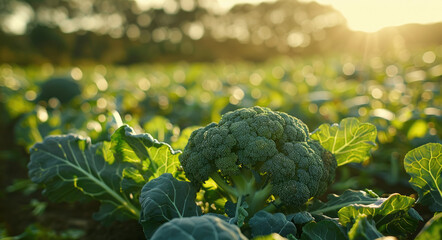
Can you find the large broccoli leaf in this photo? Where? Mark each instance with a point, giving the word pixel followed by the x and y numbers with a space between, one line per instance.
pixel 350 140
pixel 113 173
pixel 193 228
pixel 264 223
pixel 71 168
pixel 325 229
pixel 165 198
pixel 424 165
pixel 364 229
pixel 393 215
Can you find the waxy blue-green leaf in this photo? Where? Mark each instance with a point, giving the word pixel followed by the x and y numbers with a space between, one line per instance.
pixel 300 218
pixel 393 215
pixel 325 229
pixel 424 165
pixel 113 173
pixel 202 227
pixel 165 198
pixel 432 229
pixel 264 223
pixel 72 168
pixel 350 140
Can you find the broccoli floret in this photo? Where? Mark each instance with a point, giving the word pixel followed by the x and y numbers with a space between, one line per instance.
pixel 254 153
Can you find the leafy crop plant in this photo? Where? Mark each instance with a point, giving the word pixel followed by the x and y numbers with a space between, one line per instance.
pixel 256 174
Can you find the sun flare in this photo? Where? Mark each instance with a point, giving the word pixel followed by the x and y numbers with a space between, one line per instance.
pixel 373 15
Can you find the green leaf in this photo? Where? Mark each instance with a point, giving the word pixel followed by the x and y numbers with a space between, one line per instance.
pixel 350 141
pixel 418 129
pixel 182 140
pixel 202 227
pixel 264 223
pixel 159 127
pixel 273 236
pixel 325 229
pixel 300 218
pixel 237 211
pixel 165 198
pixel 241 215
pixel 150 157
pixel 364 229
pixel 424 165
pixel 336 202
pixel 432 229
pixel 390 214
pixel 71 168
pixel 401 223
pixel 211 199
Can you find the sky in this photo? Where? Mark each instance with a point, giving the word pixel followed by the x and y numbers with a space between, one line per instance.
pixel 373 15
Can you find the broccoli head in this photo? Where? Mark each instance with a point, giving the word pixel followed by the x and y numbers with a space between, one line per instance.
pixel 254 153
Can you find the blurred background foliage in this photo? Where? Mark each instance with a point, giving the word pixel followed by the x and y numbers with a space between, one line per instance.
pixel 65 32
pixel 167 67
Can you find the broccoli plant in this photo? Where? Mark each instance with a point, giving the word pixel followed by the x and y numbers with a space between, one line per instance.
pixel 260 160
pixel 255 153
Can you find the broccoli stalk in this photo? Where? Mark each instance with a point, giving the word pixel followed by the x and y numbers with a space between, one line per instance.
pixel 246 186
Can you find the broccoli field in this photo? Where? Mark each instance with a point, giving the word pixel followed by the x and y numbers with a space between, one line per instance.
pixel 331 147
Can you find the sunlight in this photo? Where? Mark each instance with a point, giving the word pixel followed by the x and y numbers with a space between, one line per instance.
pixel 16 21
pixel 373 15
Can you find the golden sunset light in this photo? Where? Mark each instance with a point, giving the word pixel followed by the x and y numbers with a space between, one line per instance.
pixel 220 119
